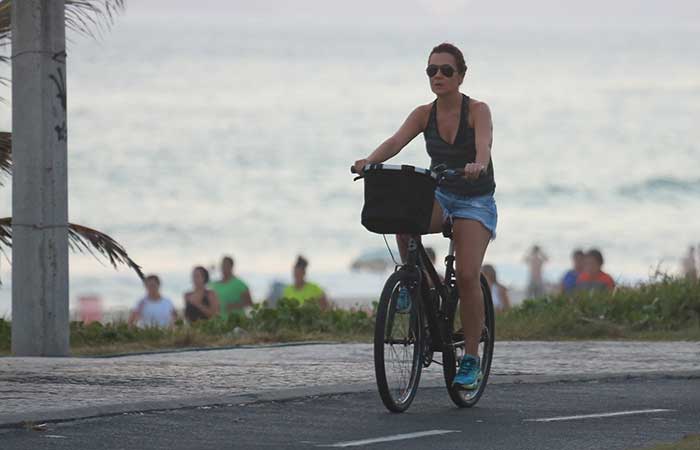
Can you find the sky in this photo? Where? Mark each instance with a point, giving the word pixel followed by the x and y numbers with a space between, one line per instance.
pixel 533 12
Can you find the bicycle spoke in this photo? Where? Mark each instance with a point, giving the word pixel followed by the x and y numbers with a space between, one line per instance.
pixel 461 397
pixel 399 352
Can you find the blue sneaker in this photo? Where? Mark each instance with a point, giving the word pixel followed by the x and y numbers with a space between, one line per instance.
pixel 469 374
pixel 403 302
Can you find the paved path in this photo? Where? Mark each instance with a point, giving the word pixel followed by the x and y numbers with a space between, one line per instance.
pixel 549 416
pixel 45 388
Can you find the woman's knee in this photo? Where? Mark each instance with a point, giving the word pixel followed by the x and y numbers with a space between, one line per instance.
pixel 468 277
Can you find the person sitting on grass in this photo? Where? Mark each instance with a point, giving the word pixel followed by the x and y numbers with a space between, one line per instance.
pixel 568 282
pixel 593 277
pixel 153 310
pixel 233 293
pixel 201 303
pixel 303 290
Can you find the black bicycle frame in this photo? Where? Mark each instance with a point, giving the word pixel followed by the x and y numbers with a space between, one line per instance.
pixel 436 312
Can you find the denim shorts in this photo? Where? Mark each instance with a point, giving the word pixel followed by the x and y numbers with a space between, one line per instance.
pixel 481 208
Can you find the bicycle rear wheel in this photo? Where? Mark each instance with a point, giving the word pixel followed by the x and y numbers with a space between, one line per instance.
pixel 453 356
pixel 398 344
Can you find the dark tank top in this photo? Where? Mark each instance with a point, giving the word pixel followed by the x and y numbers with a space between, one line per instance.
pixel 457 155
pixel 193 314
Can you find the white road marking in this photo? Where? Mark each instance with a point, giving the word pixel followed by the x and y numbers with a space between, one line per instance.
pixel 595 416
pixel 395 437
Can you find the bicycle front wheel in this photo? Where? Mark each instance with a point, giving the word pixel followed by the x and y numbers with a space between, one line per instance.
pixel 398 343
pixel 452 356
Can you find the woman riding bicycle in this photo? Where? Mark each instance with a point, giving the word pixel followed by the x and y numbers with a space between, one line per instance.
pixel 458 135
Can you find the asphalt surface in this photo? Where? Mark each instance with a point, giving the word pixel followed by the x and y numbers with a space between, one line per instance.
pixel 41 389
pixel 509 416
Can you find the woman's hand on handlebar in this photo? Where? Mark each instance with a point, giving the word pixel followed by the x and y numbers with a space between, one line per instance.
pixel 472 171
pixel 359 166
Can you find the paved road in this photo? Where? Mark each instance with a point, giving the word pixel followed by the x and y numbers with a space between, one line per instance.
pixel 508 417
pixel 45 388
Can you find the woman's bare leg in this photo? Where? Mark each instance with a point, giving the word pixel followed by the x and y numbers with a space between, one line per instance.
pixel 471 239
pixel 435 227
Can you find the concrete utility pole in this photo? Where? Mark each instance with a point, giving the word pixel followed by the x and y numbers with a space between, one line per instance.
pixel 40 323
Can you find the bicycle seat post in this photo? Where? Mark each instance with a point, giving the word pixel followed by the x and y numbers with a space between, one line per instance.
pixel 450 258
pixel 447 227
pixel 412 259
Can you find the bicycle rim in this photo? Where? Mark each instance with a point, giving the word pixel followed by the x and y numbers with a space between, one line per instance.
pixel 398 345
pixel 452 357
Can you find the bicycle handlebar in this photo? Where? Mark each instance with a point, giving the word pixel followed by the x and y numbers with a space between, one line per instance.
pixel 359 175
pixel 442 174
pixel 451 172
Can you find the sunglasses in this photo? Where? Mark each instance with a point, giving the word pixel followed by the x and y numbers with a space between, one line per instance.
pixel 446 70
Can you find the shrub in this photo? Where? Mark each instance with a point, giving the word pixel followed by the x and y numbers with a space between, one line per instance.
pixel 663 305
pixel 5 335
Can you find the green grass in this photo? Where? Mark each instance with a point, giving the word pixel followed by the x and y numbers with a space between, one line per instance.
pixel 689 442
pixel 663 309
pixel 289 322
pixel 4 336
pixel 666 309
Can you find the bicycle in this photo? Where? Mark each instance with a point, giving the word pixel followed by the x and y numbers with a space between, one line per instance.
pixel 407 337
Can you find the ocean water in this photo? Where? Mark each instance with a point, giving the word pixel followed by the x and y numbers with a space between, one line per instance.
pixel 189 140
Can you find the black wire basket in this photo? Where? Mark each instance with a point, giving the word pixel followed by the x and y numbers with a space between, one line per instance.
pixel 398 199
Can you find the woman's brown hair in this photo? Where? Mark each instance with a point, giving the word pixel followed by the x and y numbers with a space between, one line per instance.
pixel 446 47
pixel 204 272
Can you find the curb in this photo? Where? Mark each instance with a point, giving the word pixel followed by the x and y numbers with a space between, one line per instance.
pixel 201 349
pixel 23 419
pixel 210 349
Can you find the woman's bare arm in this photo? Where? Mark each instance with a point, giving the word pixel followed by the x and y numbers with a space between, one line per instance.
pixel 214 305
pixel 483 129
pixel 323 302
pixel 135 314
pixel 414 125
pixel 246 299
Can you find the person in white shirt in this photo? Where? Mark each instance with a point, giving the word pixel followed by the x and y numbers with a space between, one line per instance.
pixel 153 310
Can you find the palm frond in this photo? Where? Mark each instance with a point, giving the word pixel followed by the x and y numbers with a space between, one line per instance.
pixel 6 231
pixel 83 239
pixel 5 154
pixel 87 17
pixel 5 28
pixel 92 17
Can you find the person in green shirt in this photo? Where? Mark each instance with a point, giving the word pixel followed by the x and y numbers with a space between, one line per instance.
pixel 303 290
pixel 233 293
